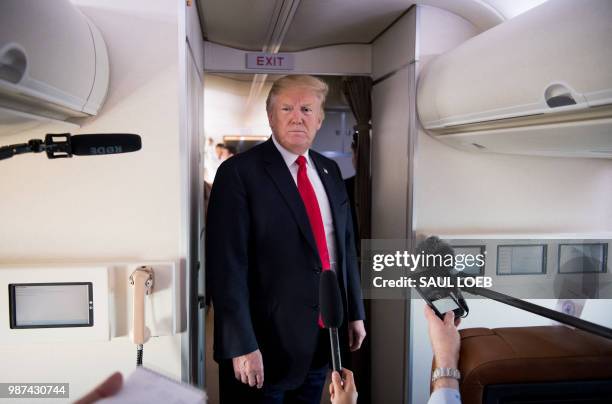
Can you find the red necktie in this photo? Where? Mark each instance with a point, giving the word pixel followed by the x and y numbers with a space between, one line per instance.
pixel 309 197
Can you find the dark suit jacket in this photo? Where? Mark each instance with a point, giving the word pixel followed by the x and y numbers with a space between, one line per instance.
pixel 263 265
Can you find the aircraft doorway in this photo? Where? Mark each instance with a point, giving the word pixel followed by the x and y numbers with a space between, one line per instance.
pixel 235 120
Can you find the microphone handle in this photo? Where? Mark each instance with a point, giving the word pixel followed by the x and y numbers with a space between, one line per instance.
pixel 335 350
pixel 14 149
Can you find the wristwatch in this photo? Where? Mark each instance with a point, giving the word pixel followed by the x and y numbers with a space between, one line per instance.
pixel 439 373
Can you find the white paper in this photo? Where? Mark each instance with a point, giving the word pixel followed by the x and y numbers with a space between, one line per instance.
pixel 148 387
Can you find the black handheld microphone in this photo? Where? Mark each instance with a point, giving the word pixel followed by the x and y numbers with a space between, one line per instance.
pixel 330 302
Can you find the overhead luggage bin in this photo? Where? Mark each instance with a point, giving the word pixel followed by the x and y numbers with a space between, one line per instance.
pixel 53 63
pixel 538 84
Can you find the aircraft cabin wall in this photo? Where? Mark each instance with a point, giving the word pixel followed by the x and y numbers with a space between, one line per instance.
pixel 105 209
pixel 393 55
pixel 461 194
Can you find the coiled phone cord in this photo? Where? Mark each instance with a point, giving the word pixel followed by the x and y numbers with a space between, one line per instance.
pixel 139 355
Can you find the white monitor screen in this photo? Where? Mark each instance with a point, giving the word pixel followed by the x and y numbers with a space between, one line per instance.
pixel 51 305
pixel 444 305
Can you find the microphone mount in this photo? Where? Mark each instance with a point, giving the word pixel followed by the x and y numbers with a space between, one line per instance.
pixel 55 145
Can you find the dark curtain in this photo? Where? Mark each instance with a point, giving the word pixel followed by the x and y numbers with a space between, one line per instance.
pixel 358 91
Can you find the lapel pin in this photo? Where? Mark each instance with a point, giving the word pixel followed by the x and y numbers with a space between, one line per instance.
pixel 325 171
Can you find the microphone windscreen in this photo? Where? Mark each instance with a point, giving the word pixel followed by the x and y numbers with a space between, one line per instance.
pixel 330 300
pixel 435 247
pixel 104 143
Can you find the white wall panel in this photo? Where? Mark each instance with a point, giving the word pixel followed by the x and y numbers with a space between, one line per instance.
pixel 440 30
pixel 470 193
pixel 393 57
pixel 487 195
pixel 123 207
pixel 396 46
pixel 194 35
pixel 390 156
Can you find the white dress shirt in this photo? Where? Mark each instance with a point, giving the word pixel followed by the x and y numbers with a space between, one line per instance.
pixel 315 180
pixel 445 396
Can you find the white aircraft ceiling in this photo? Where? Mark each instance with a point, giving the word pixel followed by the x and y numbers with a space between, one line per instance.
pixel 292 25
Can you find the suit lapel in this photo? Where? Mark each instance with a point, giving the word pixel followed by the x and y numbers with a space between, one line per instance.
pixel 278 171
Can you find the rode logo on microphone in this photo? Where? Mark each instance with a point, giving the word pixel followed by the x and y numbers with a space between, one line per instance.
pixel 106 150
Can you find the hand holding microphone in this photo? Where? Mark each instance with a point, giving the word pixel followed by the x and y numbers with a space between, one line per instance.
pixel 342 389
pixel 440 299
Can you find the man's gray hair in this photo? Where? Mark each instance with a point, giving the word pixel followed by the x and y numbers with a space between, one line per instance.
pixel 318 86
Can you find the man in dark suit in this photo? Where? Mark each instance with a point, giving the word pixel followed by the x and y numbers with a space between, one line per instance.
pixel 278 216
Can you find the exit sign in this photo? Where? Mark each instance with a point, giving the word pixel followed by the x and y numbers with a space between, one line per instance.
pixel 269 61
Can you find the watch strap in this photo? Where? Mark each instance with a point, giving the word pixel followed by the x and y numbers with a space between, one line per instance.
pixel 439 373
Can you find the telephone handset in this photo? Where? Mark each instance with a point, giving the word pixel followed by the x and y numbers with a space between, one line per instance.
pixel 142 281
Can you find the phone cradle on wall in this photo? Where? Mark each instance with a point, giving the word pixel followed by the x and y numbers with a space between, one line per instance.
pixel 163 306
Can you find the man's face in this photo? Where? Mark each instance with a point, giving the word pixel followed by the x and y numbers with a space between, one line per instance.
pixel 225 154
pixel 295 117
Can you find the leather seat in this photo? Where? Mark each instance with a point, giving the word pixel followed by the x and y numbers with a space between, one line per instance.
pixel 551 358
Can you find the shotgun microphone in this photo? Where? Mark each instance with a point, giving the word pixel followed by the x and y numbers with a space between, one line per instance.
pixel 63 145
pixel 104 143
pixel 330 302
